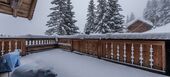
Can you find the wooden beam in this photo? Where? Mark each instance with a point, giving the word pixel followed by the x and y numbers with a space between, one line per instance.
pixel 15 10
pixel 32 8
pixel 4 4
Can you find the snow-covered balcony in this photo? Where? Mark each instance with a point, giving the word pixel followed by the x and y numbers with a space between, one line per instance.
pixel 67 64
pixel 114 52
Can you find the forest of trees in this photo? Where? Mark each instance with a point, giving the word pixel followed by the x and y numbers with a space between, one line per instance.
pixel 157 12
pixel 104 17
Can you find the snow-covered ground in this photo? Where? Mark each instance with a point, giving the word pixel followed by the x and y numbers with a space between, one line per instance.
pixel 67 64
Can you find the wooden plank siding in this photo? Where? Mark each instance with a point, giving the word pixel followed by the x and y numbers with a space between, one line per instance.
pixel 24 8
pixel 139 53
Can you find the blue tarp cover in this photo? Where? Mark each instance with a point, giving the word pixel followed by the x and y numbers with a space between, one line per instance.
pixel 10 61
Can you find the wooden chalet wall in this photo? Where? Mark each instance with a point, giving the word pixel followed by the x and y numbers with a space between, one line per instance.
pixel 21 8
pixel 149 55
pixel 139 27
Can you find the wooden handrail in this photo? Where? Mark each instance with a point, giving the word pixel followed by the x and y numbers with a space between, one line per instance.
pixel 26 44
pixel 145 54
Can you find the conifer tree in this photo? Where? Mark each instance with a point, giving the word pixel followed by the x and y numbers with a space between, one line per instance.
pixel 61 19
pixel 164 12
pixel 69 20
pixel 90 25
pixel 150 13
pixel 100 24
pixel 113 18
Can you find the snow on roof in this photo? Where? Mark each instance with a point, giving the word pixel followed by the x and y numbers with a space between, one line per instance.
pixel 162 29
pixel 139 19
pixel 144 36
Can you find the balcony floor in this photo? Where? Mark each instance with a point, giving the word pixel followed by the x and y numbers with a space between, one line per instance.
pixel 67 64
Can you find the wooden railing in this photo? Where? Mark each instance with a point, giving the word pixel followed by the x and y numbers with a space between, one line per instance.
pixel 26 44
pixel 10 44
pixel 34 44
pixel 145 54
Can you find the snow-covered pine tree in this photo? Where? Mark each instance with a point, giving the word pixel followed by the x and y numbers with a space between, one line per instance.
pixel 150 12
pixel 127 19
pixel 69 20
pixel 56 23
pixel 164 12
pixel 61 21
pixel 100 24
pixel 132 17
pixel 113 19
pixel 90 25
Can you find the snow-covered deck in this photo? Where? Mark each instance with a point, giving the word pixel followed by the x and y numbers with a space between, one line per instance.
pixel 67 64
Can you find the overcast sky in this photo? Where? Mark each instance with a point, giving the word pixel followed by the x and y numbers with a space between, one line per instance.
pixel 20 26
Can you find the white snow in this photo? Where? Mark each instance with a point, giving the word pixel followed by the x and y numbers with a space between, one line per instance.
pixel 130 36
pixel 67 64
pixel 162 29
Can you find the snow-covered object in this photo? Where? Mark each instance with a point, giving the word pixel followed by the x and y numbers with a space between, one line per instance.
pixel 139 19
pixel 162 29
pixel 33 70
pixel 145 36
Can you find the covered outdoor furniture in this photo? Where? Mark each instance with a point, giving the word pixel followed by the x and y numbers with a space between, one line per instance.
pixel 10 61
pixel 33 70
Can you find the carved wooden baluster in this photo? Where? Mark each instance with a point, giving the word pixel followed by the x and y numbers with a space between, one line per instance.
pixel 2 51
pixel 29 42
pixel 141 55
pixel 106 53
pixel 16 44
pixel 151 56
pixel 118 52
pixel 39 42
pixel 34 42
pixel 10 46
pixel 26 42
pixel 112 51
pixel 132 54
pixel 124 56
pixel 49 41
pixel 44 42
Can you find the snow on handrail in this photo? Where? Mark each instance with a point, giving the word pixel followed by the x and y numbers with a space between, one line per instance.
pixel 142 36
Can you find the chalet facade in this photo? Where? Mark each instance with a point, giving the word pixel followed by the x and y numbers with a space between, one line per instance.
pixel 20 8
pixel 139 26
